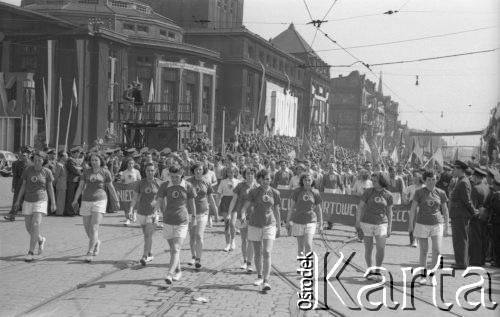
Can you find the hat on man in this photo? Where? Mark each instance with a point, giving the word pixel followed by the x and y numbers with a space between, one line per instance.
pixel 135 155
pixel 130 150
pixel 76 149
pixel 51 151
pixel 166 150
pixel 94 149
pixel 42 154
pixel 144 150
pixel 479 172
pixel 493 172
pixel 461 165
pixel 109 151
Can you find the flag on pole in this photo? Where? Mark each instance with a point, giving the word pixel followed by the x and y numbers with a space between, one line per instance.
pixel 366 147
pixel 419 152
pixel 455 157
pixel 74 101
pixel 60 93
pixel 394 155
pixel 45 111
pixel 306 147
pixel 438 157
pixel 151 95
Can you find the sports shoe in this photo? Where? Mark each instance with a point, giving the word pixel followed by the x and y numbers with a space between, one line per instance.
pixel 227 248
pixel 29 257
pixel 244 266
pixel 133 217
pixel 168 278
pixel 143 261
pixel 89 257
pixel 177 276
pixel 10 218
pixel 249 269
pixel 41 245
pixel 127 222
pixel 191 262
pixel 414 244
pixel 233 246
pixel 197 264
pixel 266 286
pixel 97 247
pixel 258 281
pixel 149 258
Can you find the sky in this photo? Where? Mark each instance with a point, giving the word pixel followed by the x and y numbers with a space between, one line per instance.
pixel 453 94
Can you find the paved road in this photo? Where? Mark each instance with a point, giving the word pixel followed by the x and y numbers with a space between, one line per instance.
pixel 61 284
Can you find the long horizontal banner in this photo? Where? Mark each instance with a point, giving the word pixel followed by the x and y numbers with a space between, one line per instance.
pixel 341 209
pixel 337 208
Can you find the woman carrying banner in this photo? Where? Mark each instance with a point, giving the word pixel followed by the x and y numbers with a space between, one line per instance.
pixel 240 196
pixel 263 225
pixel 94 200
pixel 178 196
pixel 203 200
pixel 374 217
pixel 128 176
pixel 36 189
pixel 225 192
pixel 427 210
pixel 145 192
pixel 301 218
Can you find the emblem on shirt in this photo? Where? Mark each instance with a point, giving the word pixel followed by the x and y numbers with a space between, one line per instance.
pixel 379 200
pixel 34 179
pixel 266 198
pixel 431 203
pixel 197 189
pixel 93 178
pixel 230 186
pixel 175 194
pixel 307 197
pixel 148 190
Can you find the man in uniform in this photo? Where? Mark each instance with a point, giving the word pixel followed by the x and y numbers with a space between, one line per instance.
pixel 74 171
pixel 478 237
pixel 60 182
pixel 445 179
pixel 494 219
pixel 18 168
pixel 461 211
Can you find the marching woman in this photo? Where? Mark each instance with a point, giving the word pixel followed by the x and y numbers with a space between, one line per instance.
pixel 94 200
pixel 263 225
pixel 225 192
pixel 374 217
pixel 428 209
pixel 178 196
pixel 301 218
pixel 145 199
pixel 36 189
pixel 240 196
pixel 204 199
pixel 128 176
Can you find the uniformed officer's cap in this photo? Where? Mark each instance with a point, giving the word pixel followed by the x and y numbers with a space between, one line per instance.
pixel 492 171
pixel 480 172
pixel 130 150
pixel 166 150
pixel 94 149
pixel 109 151
pixel 41 154
pixel 461 165
pixel 75 149
pixel 51 151
pixel 135 155
pixel 144 150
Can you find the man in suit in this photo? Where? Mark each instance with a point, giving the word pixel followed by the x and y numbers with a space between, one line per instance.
pixel 74 171
pixel 478 237
pixel 60 182
pixel 18 168
pixel 461 212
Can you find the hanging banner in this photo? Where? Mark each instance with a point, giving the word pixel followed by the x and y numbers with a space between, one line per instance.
pixel 125 193
pixel 342 209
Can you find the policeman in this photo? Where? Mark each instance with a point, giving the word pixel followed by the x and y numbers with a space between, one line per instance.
pixel 18 168
pixel 74 171
pixel 494 219
pixel 478 237
pixel 461 211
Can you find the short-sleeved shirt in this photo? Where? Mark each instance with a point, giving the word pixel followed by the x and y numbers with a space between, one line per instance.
pixel 226 186
pixel 242 190
pixel 176 212
pixel 147 191
pixel 95 184
pixel 202 189
pixel 305 202
pixel 36 183
pixel 263 201
pixel 429 205
pixel 376 206
pixel 131 176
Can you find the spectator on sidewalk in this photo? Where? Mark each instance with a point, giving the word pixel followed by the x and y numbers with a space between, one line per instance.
pixel 18 168
pixel 60 182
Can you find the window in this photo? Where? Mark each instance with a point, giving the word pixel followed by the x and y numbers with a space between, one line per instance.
pixel 142 28
pixel 250 51
pixel 128 27
pixel 171 35
pixel 261 56
pixel 281 66
pixel 89 1
pixel 275 62
pixel 163 33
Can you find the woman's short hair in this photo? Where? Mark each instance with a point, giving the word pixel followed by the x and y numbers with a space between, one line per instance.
pixel 303 176
pixel 225 171
pixel 148 165
pixel 176 170
pixel 128 160
pixel 427 174
pixel 102 163
pixel 196 165
pixel 382 178
pixel 263 173
pixel 247 170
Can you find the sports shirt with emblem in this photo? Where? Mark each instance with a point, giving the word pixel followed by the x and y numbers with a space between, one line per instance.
pixel 202 188
pixel 263 201
pixel 95 184
pixel 376 206
pixel 36 183
pixel 429 205
pixel 305 202
pixel 147 191
pixel 176 212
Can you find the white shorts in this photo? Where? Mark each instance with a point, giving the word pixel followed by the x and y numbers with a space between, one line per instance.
pixel 175 231
pixel 370 230
pixel 88 207
pixel 144 220
pixel 241 225
pixel 201 220
pixel 426 231
pixel 259 234
pixel 299 230
pixel 38 206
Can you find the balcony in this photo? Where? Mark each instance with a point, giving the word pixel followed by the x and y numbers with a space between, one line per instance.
pixel 151 114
